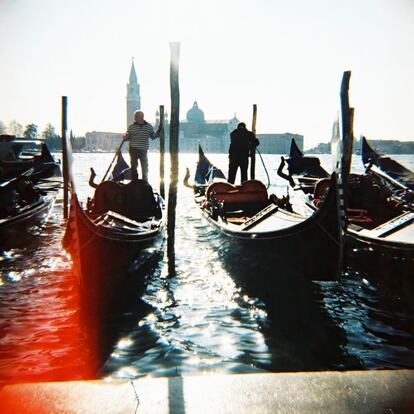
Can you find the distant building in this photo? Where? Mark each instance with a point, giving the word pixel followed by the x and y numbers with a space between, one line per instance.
pixel 98 141
pixel 278 143
pixel 133 98
pixel 387 146
pixel 383 146
pixel 212 135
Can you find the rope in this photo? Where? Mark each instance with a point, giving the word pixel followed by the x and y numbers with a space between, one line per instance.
pixel 264 166
pixel 136 396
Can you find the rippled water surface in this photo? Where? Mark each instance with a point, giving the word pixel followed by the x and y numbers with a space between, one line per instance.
pixel 224 310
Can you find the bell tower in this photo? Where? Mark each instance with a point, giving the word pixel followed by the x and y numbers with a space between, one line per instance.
pixel 133 97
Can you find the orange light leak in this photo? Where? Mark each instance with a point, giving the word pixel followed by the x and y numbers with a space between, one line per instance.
pixel 56 346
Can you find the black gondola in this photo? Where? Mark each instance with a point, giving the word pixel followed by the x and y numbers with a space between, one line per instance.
pixel 399 179
pixel 121 223
pixel 18 156
pixel 28 187
pixel 247 214
pixel 21 205
pixel 379 225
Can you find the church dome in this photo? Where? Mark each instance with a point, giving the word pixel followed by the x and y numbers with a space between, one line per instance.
pixel 195 114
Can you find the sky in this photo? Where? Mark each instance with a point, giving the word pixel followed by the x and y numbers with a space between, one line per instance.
pixel 288 57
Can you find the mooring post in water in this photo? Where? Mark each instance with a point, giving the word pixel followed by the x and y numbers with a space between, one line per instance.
pixel 162 152
pixel 174 132
pixel 346 145
pixel 65 165
pixel 253 150
pixel 347 128
pixel 347 115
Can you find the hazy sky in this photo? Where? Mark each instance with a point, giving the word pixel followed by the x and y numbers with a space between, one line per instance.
pixel 286 56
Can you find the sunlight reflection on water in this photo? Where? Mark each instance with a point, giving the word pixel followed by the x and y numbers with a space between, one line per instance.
pixel 205 319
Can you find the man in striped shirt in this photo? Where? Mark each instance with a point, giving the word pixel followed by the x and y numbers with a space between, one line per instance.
pixel 138 135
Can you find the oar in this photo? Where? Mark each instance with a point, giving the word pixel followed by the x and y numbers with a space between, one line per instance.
pixel 110 165
pixel 253 150
pixel 26 173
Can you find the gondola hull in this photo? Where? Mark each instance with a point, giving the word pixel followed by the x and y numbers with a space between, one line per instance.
pixel 387 245
pixel 103 259
pixel 13 229
pixel 387 253
pixel 379 222
pixel 311 245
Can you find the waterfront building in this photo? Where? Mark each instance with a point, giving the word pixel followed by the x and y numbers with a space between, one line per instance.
pixel 99 141
pixel 195 129
pixel 278 143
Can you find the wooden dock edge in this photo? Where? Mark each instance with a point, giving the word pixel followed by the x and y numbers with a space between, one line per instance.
pixel 390 391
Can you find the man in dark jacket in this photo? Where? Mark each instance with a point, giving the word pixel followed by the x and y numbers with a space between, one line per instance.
pixel 243 142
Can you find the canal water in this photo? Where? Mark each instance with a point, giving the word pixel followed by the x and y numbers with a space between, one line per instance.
pixel 222 312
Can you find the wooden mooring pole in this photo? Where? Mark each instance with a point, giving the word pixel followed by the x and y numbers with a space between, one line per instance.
pixel 347 115
pixel 253 150
pixel 174 132
pixel 347 128
pixel 65 164
pixel 162 152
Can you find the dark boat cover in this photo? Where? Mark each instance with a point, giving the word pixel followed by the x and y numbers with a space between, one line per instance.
pixel 387 164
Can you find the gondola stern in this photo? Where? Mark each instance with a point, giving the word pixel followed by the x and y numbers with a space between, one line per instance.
pixel 294 150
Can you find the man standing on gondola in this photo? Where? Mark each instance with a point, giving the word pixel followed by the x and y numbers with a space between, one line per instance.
pixel 138 135
pixel 243 142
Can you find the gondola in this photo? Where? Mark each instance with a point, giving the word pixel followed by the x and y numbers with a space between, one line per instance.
pixel 123 222
pixel 379 225
pixel 305 175
pixel 18 156
pixel 22 205
pixel 399 179
pixel 303 166
pixel 29 183
pixel 247 214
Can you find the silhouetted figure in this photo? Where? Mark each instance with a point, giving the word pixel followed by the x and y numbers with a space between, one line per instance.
pixel 243 142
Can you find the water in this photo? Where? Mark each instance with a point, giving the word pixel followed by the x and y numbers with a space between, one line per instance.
pixel 222 312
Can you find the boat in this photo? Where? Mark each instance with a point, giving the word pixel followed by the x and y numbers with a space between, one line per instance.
pixel 18 156
pixel 379 220
pixel 380 223
pixel 29 183
pixel 22 205
pixel 399 179
pixel 247 214
pixel 122 223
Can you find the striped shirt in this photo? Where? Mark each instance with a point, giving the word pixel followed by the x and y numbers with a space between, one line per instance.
pixel 139 135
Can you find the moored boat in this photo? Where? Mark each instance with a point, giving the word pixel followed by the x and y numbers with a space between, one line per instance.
pixel 379 225
pixel 393 175
pixel 121 223
pixel 248 214
pixel 21 205
pixel 18 156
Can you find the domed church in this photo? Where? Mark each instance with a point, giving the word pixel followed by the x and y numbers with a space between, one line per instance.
pixel 213 135
pixel 195 114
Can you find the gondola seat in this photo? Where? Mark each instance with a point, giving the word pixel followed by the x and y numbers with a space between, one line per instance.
pixel 134 200
pixel 248 198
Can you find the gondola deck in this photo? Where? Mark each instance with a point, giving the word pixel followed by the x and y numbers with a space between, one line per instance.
pixel 241 214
